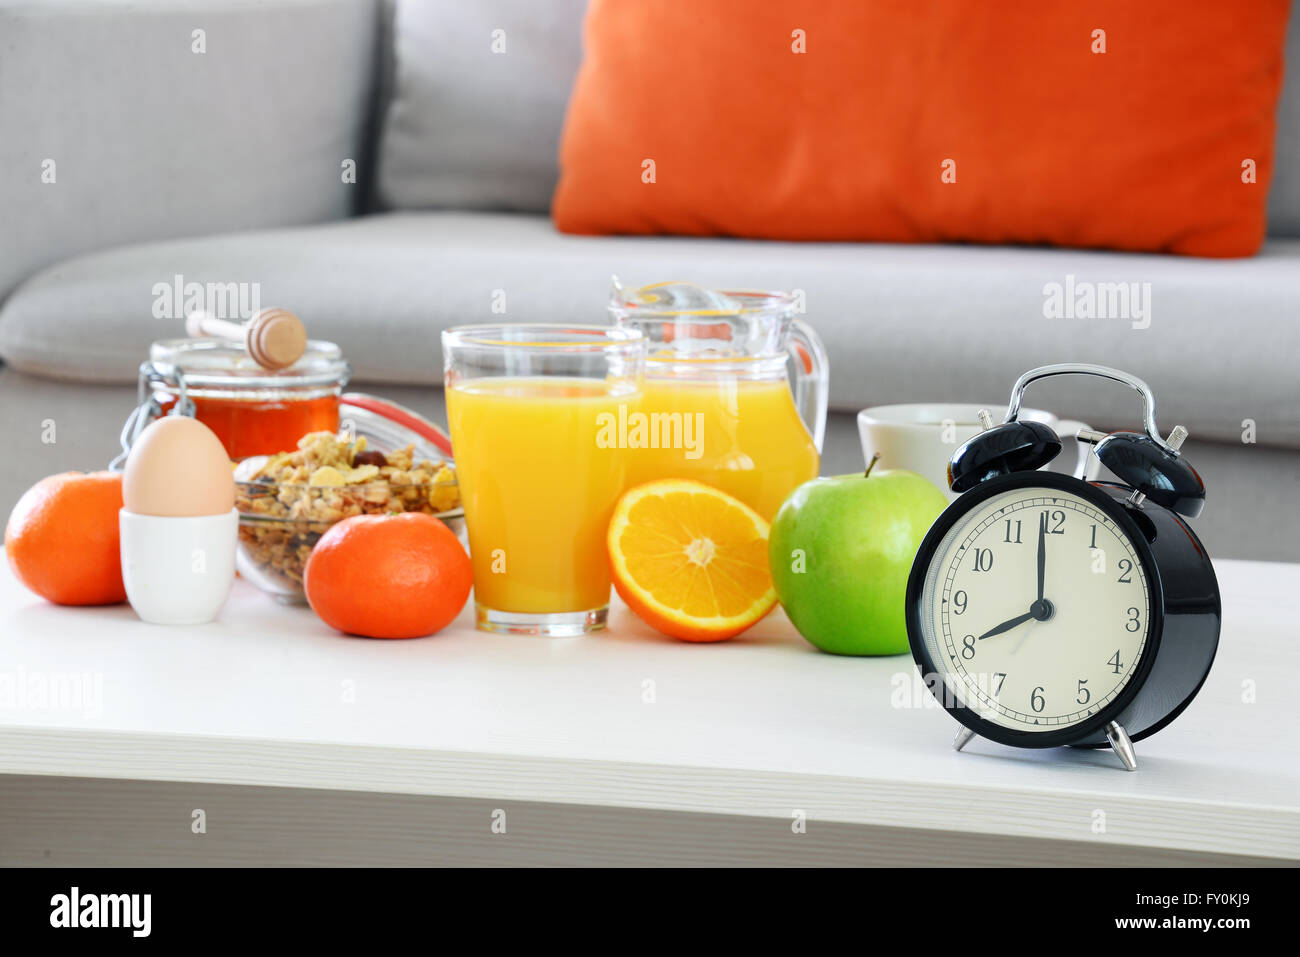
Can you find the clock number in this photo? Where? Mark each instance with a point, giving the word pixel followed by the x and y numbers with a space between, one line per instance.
pixel 1114 662
pixel 1000 677
pixel 959 602
pixel 1134 622
pixel 968 647
pixel 1059 518
pixel 1008 537
pixel 1093 544
pixel 983 559
pixel 1036 700
pixel 1125 572
pixel 1084 695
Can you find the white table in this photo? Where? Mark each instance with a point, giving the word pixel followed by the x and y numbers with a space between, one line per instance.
pixel 644 730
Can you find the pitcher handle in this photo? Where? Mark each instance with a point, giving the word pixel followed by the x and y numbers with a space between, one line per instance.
pixel 811 384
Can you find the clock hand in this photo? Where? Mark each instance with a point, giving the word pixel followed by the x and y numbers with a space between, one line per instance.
pixel 1042 552
pixel 1008 625
pixel 1024 635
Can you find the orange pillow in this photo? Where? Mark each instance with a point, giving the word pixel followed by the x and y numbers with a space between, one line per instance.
pixel 1111 123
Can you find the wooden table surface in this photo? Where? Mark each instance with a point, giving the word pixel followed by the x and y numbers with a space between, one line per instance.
pixel 760 726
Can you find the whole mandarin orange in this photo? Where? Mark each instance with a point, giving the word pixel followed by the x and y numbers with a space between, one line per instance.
pixel 62 538
pixel 388 576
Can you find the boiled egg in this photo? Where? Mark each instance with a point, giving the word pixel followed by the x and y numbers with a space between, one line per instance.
pixel 178 468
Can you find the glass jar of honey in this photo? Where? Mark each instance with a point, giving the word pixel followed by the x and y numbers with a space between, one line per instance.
pixel 252 410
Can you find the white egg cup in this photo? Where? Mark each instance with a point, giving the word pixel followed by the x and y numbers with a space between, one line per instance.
pixel 178 570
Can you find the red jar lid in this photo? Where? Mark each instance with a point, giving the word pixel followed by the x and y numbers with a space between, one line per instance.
pixel 388 426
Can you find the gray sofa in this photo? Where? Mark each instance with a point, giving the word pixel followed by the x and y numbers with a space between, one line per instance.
pixel 145 140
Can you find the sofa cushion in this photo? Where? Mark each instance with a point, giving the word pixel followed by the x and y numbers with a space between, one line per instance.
pixel 1284 195
pixel 1217 340
pixel 455 136
pixel 744 127
pixel 476 103
pixel 120 121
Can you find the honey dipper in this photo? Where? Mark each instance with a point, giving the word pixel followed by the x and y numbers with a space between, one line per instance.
pixel 274 338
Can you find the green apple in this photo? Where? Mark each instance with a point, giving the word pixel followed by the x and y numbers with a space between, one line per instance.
pixel 841 549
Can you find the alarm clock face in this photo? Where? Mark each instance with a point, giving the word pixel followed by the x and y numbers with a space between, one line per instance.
pixel 1035 609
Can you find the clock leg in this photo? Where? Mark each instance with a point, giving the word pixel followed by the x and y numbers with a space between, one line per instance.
pixel 1122 746
pixel 962 739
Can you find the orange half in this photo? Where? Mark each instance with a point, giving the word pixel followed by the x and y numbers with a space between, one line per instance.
pixel 690 560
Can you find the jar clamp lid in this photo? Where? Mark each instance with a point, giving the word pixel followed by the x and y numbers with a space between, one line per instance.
pixel 184 367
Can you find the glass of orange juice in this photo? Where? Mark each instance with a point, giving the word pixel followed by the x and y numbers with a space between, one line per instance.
pixel 534 411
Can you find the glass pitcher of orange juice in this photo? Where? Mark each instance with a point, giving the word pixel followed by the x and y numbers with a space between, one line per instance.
pixel 735 390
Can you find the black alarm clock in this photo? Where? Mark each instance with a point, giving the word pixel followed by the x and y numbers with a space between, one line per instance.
pixel 1046 610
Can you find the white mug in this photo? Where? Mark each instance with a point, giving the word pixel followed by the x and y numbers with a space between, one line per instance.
pixel 922 436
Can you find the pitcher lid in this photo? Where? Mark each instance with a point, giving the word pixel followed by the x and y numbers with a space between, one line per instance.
pixel 676 298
